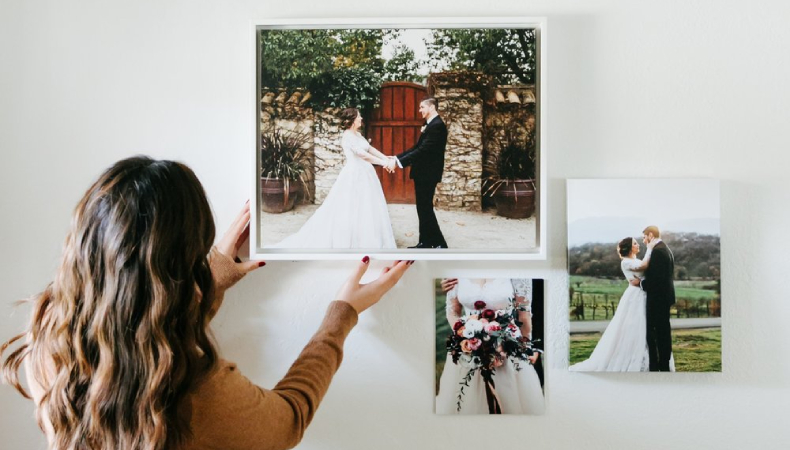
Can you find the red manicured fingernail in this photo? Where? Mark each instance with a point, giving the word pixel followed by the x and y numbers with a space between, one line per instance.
pixel 261 263
pixel 410 262
pixel 366 259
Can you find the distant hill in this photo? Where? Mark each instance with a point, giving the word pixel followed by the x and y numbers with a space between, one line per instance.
pixel 696 256
pixel 612 229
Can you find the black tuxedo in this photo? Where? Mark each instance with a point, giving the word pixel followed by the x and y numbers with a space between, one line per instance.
pixel 426 159
pixel 660 289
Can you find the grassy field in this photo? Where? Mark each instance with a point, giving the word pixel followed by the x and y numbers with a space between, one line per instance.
pixel 697 350
pixel 692 295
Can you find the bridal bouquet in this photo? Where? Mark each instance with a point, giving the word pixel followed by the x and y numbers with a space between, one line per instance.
pixel 485 339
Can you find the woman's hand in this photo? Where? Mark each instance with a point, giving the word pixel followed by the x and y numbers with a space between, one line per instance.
pixel 448 284
pixel 235 237
pixel 652 243
pixel 363 296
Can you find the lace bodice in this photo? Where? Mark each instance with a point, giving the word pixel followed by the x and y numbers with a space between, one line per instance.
pixel 354 145
pixel 629 266
pixel 496 293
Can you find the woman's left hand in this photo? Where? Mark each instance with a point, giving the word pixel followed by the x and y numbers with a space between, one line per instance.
pixel 234 238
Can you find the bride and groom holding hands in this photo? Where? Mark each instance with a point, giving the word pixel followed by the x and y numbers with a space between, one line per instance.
pixel 639 336
pixel 354 214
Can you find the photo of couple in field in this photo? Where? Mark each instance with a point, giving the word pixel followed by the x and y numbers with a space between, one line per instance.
pixel 645 275
pixel 380 139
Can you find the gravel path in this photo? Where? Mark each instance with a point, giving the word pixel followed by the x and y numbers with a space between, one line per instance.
pixel 462 229
pixel 598 326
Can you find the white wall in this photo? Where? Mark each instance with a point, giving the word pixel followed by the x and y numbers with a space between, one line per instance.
pixel 636 89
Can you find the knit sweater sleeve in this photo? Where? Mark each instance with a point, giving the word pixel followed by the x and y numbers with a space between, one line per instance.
pixel 225 274
pixel 230 412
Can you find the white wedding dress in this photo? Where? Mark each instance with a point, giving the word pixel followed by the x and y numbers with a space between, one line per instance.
pixel 519 392
pixel 354 214
pixel 623 345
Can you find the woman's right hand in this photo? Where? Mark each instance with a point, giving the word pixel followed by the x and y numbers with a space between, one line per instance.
pixel 448 284
pixel 234 238
pixel 363 296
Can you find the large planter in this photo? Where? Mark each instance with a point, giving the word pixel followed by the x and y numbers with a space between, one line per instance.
pixel 515 199
pixel 275 197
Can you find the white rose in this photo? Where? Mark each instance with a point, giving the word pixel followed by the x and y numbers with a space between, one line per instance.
pixel 474 325
pixel 469 333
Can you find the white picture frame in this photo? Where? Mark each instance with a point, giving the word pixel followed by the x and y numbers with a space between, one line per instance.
pixel 539 252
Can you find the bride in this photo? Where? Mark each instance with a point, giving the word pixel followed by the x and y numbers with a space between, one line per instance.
pixel 518 391
pixel 623 345
pixel 354 213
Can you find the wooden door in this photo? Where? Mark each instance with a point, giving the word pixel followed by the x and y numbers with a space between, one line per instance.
pixel 394 127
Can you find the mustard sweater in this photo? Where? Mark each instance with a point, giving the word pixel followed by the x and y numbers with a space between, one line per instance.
pixel 229 412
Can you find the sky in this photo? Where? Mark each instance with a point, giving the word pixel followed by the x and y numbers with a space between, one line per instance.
pixel 608 210
pixel 414 38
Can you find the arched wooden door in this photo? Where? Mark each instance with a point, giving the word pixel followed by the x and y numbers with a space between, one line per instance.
pixel 394 127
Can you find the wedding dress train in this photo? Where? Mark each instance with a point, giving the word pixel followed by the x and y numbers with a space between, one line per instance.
pixel 354 214
pixel 623 345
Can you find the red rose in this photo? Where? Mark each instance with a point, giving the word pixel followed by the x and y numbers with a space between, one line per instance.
pixel 458 324
pixel 480 304
pixel 488 314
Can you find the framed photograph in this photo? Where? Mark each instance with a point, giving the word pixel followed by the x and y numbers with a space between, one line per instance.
pixel 399 138
pixel 489 346
pixel 644 262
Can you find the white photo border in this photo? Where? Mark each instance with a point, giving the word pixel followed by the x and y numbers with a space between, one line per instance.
pixel 257 252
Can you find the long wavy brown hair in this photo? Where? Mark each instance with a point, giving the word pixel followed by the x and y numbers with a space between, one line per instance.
pixel 120 336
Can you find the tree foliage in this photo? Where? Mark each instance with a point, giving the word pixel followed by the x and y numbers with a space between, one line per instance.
pixel 509 54
pixel 403 66
pixel 340 67
pixel 696 256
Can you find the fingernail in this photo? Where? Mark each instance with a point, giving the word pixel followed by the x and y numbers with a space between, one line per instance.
pixel 366 259
pixel 261 263
pixel 410 262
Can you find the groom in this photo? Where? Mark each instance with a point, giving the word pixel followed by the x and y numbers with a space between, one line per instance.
pixel 659 286
pixel 426 159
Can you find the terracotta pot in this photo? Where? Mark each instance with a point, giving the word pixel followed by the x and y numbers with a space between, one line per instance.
pixel 275 198
pixel 515 199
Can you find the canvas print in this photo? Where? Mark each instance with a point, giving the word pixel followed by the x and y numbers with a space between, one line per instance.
pixel 645 275
pixel 399 139
pixel 489 341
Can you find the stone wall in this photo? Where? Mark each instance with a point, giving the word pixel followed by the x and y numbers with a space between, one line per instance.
pixel 477 115
pixel 290 111
pixel 329 157
pixel 510 109
pixel 286 110
pixel 460 98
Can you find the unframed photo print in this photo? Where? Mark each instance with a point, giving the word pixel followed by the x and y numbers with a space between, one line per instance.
pixel 634 313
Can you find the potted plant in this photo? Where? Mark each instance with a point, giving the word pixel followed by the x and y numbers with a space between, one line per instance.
pixel 513 184
pixel 284 160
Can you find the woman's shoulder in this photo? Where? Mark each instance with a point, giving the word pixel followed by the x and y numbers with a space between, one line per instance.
pixel 630 262
pixel 349 135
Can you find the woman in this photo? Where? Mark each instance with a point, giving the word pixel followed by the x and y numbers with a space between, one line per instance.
pixel 118 353
pixel 354 213
pixel 623 345
pixel 518 391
